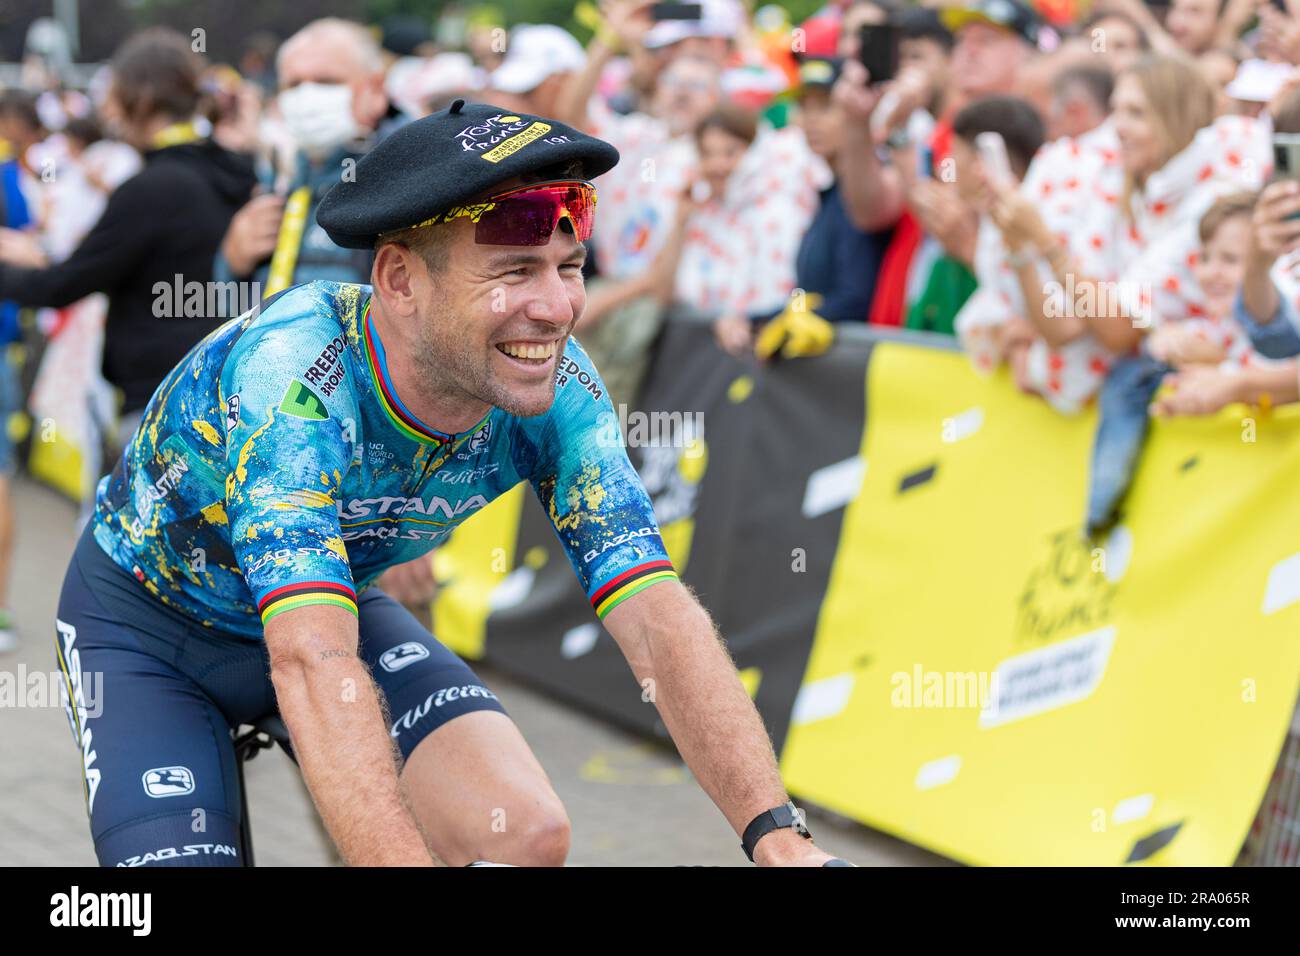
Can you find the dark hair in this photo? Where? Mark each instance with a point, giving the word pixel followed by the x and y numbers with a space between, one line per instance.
pixel 156 73
pixel 1095 80
pixel 84 128
pixel 732 120
pixel 1011 117
pixel 21 105
pixel 923 23
pixel 1144 41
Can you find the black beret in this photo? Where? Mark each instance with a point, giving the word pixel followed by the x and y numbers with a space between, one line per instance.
pixel 440 161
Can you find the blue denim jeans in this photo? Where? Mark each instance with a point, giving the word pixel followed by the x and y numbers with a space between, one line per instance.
pixel 1122 425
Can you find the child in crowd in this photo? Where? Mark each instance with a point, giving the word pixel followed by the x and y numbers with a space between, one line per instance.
pixel 1209 335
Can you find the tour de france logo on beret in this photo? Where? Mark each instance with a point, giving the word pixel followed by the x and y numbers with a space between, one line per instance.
pixel 500 136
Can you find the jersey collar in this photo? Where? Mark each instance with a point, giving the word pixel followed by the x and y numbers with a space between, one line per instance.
pixel 397 412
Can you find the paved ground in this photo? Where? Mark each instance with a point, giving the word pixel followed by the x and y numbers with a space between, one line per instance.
pixel 630 803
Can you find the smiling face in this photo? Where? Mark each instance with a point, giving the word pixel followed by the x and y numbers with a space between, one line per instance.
pixel 1221 266
pixel 1140 145
pixel 493 320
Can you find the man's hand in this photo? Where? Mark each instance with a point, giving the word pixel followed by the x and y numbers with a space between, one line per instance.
pixel 852 94
pixel 947 218
pixel 787 848
pixel 252 234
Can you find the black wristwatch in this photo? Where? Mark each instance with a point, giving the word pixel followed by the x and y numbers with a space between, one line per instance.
pixel 778 818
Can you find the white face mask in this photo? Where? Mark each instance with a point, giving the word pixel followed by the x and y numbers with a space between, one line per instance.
pixel 319 116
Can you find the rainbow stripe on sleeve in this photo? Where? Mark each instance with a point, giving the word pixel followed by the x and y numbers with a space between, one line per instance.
pixel 621 587
pixel 304 593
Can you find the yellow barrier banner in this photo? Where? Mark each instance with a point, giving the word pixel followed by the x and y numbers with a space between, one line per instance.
pixel 987 683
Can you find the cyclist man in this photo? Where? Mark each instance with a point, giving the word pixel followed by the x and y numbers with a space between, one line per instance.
pixel 337 430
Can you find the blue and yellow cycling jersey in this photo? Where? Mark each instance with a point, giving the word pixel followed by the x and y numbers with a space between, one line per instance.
pixel 277 467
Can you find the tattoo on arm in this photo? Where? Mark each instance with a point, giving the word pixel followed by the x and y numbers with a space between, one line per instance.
pixel 335 652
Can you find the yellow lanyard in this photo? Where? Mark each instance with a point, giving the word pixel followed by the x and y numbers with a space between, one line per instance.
pixel 175 135
pixel 287 245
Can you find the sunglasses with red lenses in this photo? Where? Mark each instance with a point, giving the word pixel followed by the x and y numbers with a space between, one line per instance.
pixel 527 215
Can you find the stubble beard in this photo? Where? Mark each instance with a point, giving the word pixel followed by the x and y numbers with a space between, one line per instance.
pixel 451 372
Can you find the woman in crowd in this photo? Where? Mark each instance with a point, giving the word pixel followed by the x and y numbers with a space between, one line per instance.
pixel 1134 215
pixel 166 221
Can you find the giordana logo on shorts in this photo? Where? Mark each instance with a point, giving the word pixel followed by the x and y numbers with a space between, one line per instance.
pixel 232 413
pixel 445 696
pixel 174 852
pixel 403 655
pixel 168 781
pixel 103 909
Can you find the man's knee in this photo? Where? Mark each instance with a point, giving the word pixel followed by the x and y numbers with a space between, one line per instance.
pixel 539 836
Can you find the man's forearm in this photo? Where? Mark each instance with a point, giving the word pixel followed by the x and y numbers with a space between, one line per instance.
pixel 714 724
pixel 872 193
pixel 331 708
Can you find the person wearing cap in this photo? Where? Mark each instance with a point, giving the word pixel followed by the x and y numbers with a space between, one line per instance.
pixel 836 260
pixel 337 430
pixel 995 39
pixel 332 108
pixel 539 60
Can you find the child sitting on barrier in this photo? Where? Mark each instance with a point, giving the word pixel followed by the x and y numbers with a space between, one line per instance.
pixel 1215 360
pixel 1208 334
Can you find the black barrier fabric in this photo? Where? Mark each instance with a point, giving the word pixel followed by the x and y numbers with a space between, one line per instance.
pixel 736 491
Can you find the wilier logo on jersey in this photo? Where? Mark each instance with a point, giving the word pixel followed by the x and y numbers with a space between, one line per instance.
pixel 168 782
pixel 232 412
pixel 301 402
pixel 403 655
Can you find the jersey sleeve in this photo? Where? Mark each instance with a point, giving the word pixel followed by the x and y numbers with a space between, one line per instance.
pixel 593 496
pixel 290 427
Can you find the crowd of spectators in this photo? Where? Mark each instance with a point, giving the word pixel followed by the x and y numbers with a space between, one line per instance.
pixel 1107 206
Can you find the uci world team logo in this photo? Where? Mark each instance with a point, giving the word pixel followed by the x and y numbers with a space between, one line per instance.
pixel 168 782
pixel 403 655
